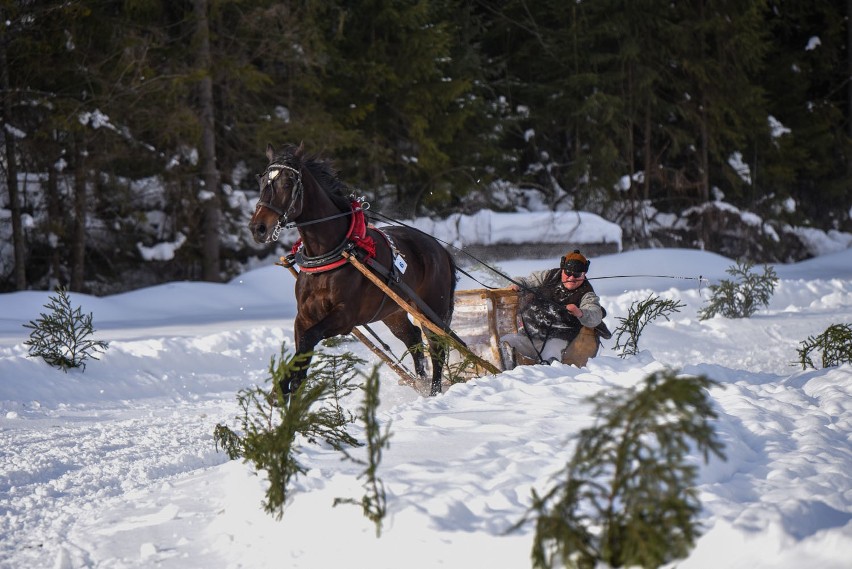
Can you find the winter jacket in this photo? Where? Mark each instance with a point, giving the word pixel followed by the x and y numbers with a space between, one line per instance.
pixel 542 311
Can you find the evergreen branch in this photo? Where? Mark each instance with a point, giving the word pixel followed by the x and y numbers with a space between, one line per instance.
pixel 639 315
pixel 628 496
pixel 63 337
pixel 743 297
pixel 269 433
pixel 374 501
pixel 835 343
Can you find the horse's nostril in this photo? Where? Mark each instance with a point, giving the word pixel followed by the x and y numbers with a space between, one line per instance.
pixel 260 229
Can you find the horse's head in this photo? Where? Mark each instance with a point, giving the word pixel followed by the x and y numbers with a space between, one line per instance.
pixel 281 193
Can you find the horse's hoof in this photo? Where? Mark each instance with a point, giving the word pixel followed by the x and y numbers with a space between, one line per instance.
pixel 272 398
pixel 286 387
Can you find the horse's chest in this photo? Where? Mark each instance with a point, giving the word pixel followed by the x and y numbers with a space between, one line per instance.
pixel 317 298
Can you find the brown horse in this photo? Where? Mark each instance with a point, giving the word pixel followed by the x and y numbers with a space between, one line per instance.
pixel 332 296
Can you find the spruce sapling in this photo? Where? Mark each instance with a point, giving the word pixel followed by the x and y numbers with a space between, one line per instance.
pixel 458 371
pixel 743 298
pixel 339 371
pixel 269 433
pixel 628 497
pixel 640 314
pixel 835 343
pixel 63 338
pixel 374 501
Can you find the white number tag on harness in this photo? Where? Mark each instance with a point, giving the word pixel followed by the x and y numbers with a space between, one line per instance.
pixel 399 263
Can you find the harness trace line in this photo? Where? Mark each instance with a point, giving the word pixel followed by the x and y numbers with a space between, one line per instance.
pixel 699 278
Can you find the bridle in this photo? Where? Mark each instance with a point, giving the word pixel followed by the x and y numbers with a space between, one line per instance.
pixel 272 171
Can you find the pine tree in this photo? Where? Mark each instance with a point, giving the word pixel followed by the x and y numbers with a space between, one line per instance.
pixel 628 495
pixel 389 80
pixel 807 81
pixel 273 429
pixel 640 314
pixel 373 503
pixel 546 76
pixel 719 55
pixel 63 337
pixel 742 297
pixel 835 345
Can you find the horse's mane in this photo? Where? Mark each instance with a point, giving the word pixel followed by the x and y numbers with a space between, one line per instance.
pixel 322 171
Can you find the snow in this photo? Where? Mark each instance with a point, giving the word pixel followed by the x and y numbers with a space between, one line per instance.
pixel 777 128
pixel 487 227
pixel 161 251
pixel 742 169
pixel 822 242
pixel 115 467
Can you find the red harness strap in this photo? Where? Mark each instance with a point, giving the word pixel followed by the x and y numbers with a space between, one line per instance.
pixel 357 234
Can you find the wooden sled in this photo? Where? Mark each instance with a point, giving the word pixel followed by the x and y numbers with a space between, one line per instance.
pixel 483 316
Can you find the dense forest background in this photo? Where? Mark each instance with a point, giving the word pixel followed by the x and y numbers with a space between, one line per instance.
pixel 132 124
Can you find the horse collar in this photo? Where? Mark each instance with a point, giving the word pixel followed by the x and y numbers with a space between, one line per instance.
pixel 355 237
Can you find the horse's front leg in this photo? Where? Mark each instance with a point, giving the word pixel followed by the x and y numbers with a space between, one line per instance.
pixel 307 336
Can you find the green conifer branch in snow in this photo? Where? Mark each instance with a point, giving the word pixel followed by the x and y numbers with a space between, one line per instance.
pixel 627 497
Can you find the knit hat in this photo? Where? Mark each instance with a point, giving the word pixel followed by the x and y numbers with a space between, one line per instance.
pixel 575 261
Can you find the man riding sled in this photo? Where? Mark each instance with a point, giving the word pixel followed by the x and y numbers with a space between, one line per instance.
pixel 560 318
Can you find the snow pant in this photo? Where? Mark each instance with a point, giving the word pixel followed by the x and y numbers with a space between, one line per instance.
pixel 536 350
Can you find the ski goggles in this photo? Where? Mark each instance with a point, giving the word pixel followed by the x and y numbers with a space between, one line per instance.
pixel 573 267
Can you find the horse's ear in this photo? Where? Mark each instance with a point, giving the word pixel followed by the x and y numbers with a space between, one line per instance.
pixel 301 150
pixel 270 152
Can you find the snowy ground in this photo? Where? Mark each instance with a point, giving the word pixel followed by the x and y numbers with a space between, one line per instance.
pixel 116 467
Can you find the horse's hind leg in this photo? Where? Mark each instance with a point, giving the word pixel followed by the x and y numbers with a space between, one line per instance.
pixel 401 327
pixel 438 351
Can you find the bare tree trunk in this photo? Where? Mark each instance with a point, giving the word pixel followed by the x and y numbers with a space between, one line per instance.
pixel 849 79
pixel 704 160
pixel 56 226
pixel 209 171
pixel 646 183
pixel 704 183
pixel 631 153
pixel 78 239
pixel 12 175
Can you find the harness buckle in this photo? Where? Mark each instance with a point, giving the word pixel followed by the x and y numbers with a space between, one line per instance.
pixel 361 201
